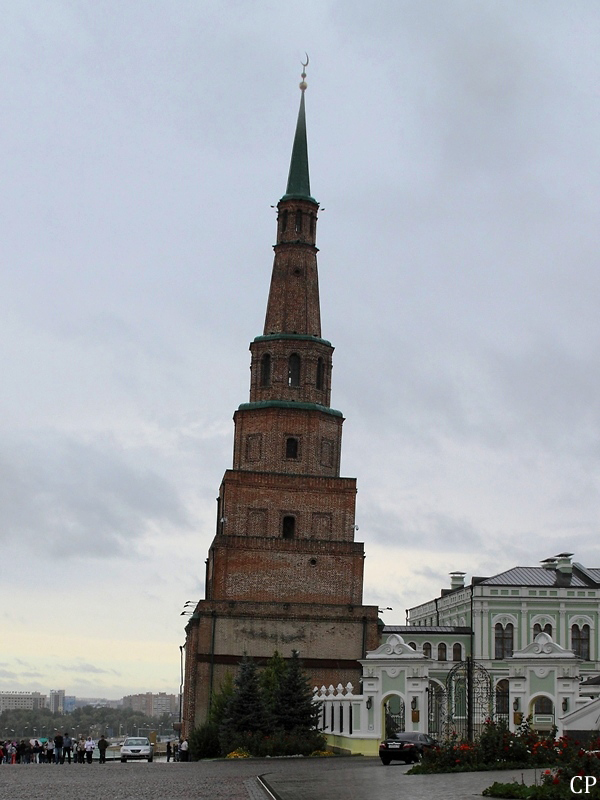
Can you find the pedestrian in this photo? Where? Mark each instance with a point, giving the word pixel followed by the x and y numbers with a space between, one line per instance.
pixel 80 750
pixel 58 748
pixel 102 745
pixel 90 746
pixel 67 748
pixel 50 751
pixel 169 751
pixel 183 749
pixel 37 752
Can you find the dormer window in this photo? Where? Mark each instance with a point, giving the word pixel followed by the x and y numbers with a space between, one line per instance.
pixel 294 370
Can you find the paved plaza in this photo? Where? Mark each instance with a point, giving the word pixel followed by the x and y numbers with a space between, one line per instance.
pixel 288 779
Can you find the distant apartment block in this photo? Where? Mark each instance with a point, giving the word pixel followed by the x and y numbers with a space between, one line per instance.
pixel 96 702
pixel 153 705
pixel 22 701
pixel 57 701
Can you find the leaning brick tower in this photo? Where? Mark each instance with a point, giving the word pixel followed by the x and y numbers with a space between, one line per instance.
pixel 283 571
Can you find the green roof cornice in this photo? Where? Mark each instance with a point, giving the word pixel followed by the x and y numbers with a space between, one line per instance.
pixel 290 404
pixel 306 337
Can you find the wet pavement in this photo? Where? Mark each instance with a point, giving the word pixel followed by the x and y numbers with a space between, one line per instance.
pixel 367 779
pixel 354 778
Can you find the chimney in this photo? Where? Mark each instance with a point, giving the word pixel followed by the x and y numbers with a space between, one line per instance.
pixel 549 563
pixel 563 563
pixel 457 580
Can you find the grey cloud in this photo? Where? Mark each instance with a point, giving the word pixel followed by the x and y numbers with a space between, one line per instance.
pixel 78 498
pixel 86 668
pixel 429 531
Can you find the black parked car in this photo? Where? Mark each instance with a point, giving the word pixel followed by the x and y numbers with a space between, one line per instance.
pixel 407 746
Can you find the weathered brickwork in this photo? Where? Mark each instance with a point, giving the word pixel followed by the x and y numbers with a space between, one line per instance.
pixel 261 437
pixel 224 630
pixel 277 495
pixel 283 571
pixel 312 386
pixel 293 305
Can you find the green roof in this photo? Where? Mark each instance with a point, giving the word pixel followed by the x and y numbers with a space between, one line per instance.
pixel 290 404
pixel 298 185
pixel 307 337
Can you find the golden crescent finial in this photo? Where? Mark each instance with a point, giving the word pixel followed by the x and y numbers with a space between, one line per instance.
pixel 304 66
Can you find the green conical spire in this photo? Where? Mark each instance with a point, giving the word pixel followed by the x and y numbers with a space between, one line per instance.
pixel 298 185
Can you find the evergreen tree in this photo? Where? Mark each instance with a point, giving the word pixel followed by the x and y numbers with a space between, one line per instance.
pixel 204 740
pixel 220 700
pixel 295 711
pixel 271 679
pixel 245 713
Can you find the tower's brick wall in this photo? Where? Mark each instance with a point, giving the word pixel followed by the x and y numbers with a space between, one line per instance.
pixel 253 504
pixel 329 638
pixel 280 350
pixel 261 435
pixel 279 572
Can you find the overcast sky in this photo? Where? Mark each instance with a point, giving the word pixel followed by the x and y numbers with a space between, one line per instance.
pixel 455 149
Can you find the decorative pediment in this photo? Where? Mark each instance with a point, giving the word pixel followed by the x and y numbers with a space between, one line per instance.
pixel 395 647
pixel 543 646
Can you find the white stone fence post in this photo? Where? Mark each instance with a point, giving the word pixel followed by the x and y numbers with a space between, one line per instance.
pixel 342 712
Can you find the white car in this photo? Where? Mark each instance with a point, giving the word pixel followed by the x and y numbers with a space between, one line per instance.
pixel 136 748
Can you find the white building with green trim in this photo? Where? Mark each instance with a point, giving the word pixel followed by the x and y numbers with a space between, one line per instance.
pixel 522 643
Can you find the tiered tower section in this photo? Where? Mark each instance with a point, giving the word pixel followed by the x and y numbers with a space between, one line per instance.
pixel 284 571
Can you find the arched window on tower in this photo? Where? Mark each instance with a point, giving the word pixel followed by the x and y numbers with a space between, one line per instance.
pixel 284 220
pixel 294 370
pixel 580 641
pixel 298 221
pixel 291 447
pixel 265 370
pixel 312 225
pixel 504 640
pixel 320 382
pixel 288 528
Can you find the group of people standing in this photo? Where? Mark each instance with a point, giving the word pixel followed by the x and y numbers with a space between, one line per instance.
pixel 177 750
pixel 56 750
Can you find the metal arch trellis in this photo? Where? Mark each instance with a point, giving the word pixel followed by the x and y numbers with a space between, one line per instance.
pixel 461 707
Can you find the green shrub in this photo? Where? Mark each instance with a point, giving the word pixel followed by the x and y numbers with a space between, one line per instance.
pixel 204 742
pixel 508 790
pixel 278 743
pixel 496 748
